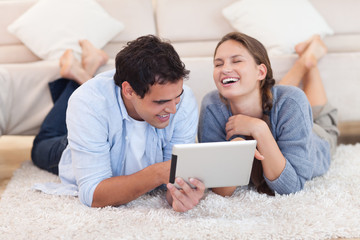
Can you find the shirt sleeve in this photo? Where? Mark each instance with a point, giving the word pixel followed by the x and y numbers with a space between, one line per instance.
pixel 292 123
pixel 89 146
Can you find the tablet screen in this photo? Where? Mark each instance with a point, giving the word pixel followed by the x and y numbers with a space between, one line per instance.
pixel 216 164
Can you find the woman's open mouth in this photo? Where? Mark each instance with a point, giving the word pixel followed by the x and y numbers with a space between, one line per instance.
pixel 229 81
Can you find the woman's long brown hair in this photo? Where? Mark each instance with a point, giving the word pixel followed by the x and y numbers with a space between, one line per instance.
pixel 259 53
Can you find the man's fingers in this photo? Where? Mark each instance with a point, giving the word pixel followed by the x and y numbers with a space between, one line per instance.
pixel 186 198
pixel 190 197
pixel 183 195
pixel 200 186
pixel 176 204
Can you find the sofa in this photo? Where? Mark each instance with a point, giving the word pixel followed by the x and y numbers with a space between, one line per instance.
pixel 194 27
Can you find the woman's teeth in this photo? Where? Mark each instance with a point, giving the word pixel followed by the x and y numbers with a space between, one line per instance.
pixel 229 80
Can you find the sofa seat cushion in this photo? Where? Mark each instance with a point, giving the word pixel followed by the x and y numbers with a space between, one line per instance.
pixel 25 100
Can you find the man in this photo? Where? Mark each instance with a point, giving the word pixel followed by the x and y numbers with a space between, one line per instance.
pixel 121 127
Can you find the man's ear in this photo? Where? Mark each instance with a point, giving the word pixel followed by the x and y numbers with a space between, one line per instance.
pixel 262 71
pixel 127 91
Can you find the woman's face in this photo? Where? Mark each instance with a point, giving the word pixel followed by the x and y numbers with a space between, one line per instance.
pixel 236 73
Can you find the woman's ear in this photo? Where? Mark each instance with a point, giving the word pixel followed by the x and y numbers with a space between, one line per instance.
pixel 262 71
pixel 126 90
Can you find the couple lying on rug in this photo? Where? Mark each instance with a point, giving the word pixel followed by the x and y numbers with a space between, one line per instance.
pixel 115 140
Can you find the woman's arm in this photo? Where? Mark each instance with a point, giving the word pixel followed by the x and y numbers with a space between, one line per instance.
pixel 273 161
pixel 286 147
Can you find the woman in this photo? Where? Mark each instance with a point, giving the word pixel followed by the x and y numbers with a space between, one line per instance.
pixel 295 129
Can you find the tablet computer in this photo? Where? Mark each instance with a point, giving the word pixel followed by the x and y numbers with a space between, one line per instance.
pixel 216 164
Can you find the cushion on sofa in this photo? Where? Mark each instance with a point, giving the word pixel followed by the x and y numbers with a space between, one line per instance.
pixel 137 16
pixel 60 24
pixel 278 24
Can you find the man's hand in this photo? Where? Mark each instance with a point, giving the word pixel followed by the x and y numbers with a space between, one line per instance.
pixel 186 198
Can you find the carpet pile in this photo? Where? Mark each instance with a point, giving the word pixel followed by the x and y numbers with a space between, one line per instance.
pixel 328 207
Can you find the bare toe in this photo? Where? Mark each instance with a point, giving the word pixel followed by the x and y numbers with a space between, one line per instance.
pixel 92 57
pixel 314 52
pixel 70 68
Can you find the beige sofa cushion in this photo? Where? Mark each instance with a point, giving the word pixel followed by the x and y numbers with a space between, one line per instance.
pixel 22 111
pixel 60 24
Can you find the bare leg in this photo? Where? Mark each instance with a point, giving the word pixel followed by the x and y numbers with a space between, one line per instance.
pixel 296 74
pixel 314 88
pixel 92 58
pixel 71 68
pixel 305 70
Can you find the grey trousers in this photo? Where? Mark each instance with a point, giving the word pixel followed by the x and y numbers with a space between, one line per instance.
pixel 325 124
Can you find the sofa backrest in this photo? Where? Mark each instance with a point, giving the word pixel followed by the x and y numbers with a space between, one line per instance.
pixel 193 26
pixel 341 15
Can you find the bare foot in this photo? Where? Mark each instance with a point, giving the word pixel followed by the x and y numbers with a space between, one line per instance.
pixel 301 47
pixel 71 68
pixel 92 58
pixel 315 50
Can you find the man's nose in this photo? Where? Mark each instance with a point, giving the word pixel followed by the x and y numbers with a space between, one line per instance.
pixel 171 106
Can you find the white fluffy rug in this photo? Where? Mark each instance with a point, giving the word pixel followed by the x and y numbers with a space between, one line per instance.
pixel 328 207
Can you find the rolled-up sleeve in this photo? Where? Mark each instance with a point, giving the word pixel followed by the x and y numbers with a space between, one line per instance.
pixel 89 146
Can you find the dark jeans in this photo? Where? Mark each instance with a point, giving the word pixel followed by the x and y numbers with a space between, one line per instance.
pixel 52 139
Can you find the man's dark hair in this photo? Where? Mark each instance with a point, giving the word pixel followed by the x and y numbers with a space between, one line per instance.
pixel 146 61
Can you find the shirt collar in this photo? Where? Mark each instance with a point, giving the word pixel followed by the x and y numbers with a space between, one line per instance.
pixel 124 113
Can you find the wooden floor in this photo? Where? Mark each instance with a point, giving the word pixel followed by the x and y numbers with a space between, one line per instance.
pixel 16 149
pixel 13 151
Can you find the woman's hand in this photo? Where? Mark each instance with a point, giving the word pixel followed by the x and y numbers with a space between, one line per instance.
pixel 244 125
pixel 186 198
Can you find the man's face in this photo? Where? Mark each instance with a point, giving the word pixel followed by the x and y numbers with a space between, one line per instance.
pixel 157 105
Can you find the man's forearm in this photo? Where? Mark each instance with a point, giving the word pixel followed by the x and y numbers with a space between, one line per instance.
pixel 120 190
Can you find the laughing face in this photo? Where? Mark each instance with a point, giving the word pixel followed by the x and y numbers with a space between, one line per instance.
pixel 236 73
pixel 156 106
